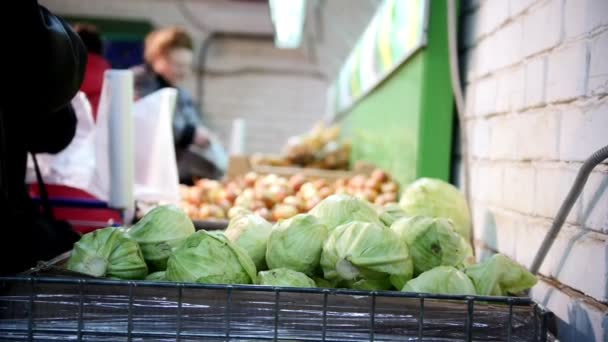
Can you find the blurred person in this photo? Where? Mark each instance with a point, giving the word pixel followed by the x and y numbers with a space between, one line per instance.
pixel 43 72
pixel 96 63
pixel 168 56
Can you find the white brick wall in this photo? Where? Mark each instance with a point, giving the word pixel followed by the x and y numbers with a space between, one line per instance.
pixel 583 130
pixel 542 26
pixel 518 6
pixel 553 181
pixel 567 72
pixel 535 79
pixel 518 187
pixel 485 97
pixel 492 14
pixel 598 68
pixel 578 319
pixel 584 16
pixel 595 201
pixel 536 86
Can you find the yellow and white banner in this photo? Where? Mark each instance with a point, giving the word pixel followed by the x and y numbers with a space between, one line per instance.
pixel 397 30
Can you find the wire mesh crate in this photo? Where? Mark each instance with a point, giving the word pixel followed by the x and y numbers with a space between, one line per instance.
pixel 60 308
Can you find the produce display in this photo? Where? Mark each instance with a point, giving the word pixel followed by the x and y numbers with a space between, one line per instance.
pixel 208 258
pixel 159 232
pixel 285 277
pixel 108 252
pixel 431 197
pixel 342 242
pixel 296 243
pixel 274 197
pixel 320 148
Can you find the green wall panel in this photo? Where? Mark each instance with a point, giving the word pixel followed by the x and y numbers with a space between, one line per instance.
pixel 116 29
pixel 384 126
pixel 405 124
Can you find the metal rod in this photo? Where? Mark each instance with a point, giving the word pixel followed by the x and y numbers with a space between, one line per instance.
pixel 469 327
pixel 510 322
pixel 180 290
pixel 324 327
pixel 581 178
pixel 130 312
pixel 372 317
pixel 30 318
pixel 80 310
pixel 420 318
pixel 276 313
pixel 228 310
pixel 164 335
pixel 543 326
pixel 536 323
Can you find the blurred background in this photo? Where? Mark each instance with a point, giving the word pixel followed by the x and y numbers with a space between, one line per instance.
pixel 239 72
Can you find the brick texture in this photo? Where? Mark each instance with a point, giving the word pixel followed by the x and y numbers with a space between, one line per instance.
pixel 598 67
pixel 577 319
pixel 552 185
pixel 518 6
pixel 518 188
pixel 542 26
pixel 537 109
pixel 595 201
pixel 567 73
pixel 492 14
pixel 583 130
pixel 536 75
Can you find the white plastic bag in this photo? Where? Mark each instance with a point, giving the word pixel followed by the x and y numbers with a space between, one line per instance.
pixel 156 177
pixel 75 165
pixel 85 163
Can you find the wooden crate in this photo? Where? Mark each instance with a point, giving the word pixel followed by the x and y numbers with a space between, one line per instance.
pixel 240 165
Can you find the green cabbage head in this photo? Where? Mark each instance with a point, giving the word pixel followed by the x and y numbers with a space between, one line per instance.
pixel 432 242
pixel 339 209
pixel 218 233
pixel 250 232
pixel 157 276
pixel 206 258
pixel 436 198
pixel 500 276
pixel 441 280
pixel 285 277
pixel 108 252
pixel 324 283
pixel 382 284
pixel 296 243
pixel 365 251
pixel 390 213
pixel 159 231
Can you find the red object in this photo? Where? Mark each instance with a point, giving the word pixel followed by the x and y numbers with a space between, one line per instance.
pixel 82 210
pixel 93 79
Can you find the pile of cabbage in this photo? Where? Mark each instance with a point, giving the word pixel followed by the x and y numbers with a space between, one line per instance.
pixel 419 245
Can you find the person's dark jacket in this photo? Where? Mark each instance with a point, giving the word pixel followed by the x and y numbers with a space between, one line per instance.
pixel 186 119
pixel 43 67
